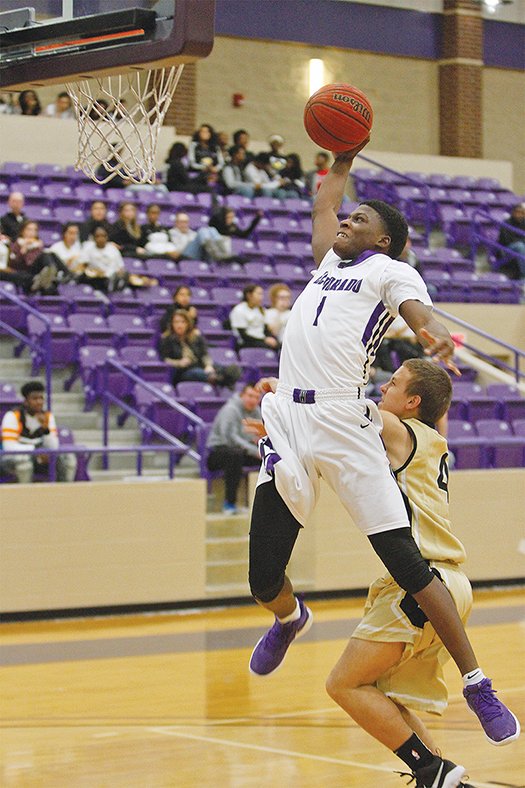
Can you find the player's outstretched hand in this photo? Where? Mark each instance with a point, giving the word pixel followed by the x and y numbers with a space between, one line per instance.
pixel 255 428
pixel 440 348
pixel 349 155
pixel 264 385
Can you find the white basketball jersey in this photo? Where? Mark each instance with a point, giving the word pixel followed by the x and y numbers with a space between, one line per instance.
pixel 337 323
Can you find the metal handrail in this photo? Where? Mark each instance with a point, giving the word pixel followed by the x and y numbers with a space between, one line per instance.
pixel 516 352
pixel 109 398
pixel 35 347
pixel 478 237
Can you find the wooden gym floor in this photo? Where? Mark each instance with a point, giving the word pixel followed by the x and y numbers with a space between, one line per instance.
pixel 167 700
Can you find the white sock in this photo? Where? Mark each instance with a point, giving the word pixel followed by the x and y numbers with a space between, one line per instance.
pixel 293 616
pixel 474 677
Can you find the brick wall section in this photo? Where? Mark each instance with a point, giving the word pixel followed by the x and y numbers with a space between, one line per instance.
pixel 460 83
pixel 183 110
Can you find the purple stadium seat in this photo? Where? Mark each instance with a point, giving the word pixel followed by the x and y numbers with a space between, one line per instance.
pixel 91 328
pixel 199 272
pixel 89 192
pixel 518 426
pixel 258 362
pixel 53 173
pixel 261 273
pixel 146 363
pixel 507 450
pixel 244 247
pixel 231 275
pixel 64 341
pixel 60 193
pixel 160 412
pixel 470 451
pixel 271 206
pixel 291 274
pixel 268 230
pixel 51 304
pixel 201 398
pixel 303 250
pixel 478 404
pixel 69 213
pixel 67 438
pixel 212 330
pixel 301 207
pixel 12 314
pixel 223 356
pixel 130 330
pixel 226 297
pixel 9 397
pixel 166 271
pixel 91 360
pixel 17 169
pixel 512 402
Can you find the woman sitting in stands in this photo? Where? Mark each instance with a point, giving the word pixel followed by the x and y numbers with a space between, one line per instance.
pixel 279 312
pixel 177 178
pixel 185 349
pixel 29 266
pixel 225 221
pixel 69 249
pixel 248 320
pixel 181 300
pixel 204 154
pixel 126 232
pixel 104 268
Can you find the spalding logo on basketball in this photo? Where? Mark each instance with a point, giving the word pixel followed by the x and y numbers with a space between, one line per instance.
pixel 338 117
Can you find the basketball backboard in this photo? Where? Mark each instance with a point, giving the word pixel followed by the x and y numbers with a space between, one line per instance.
pixel 58 41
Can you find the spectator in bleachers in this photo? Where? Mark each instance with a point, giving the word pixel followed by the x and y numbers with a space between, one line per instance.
pixel 181 300
pixel 231 445
pixel 204 153
pixel 11 222
pixel 223 140
pixel 314 178
pixel 259 174
pixel 398 345
pixel 69 249
pixel 61 107
pixel 103 264
pixel 293 175
pixel 248 320
pixel 177 177
pixel 155 238
pixel 97 218
pixel 7 104
pixel 185 349
pixel 29 103
pixel 515 240
pixel 232 173
pixel 225 222
pixel 242 138
pixel 409 256
pixel 126 233
pixel 30 266
pixel 4 252
pixel 206 242
pixel 277 157
pixel 279 312
pixel 30 427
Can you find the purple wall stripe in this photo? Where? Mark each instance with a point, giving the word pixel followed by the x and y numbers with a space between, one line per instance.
pixel 367 28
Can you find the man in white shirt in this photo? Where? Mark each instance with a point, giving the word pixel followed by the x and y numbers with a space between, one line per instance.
pixel 102 261
pixel 30 427
pixel 198 244
pixel 60 108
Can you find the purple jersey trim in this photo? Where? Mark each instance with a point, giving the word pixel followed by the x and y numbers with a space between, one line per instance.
pixel 362 257
pixel 370 326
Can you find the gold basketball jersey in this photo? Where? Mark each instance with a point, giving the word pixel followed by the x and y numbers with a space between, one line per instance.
pixel 423 481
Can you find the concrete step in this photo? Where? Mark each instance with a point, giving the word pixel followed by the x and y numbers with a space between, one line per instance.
pixel 220 526
pixel 226 572
pixel 228 549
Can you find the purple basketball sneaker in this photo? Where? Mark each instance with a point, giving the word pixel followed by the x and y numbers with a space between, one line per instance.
pixel 271 649
pixel 498 722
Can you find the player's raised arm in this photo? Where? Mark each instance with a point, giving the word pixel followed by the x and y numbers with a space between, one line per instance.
pixel 328 201
pixel 430 333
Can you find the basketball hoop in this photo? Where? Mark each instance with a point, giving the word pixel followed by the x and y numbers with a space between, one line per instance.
pixel 119 120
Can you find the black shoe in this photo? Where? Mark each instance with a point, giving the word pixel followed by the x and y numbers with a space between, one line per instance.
pixel 443 774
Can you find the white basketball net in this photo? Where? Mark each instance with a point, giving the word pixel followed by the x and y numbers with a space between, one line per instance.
pixel 123 135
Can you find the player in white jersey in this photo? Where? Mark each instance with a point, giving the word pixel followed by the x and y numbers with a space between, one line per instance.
pixel 320 425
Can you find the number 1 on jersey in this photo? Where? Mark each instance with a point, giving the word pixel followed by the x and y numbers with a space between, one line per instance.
pixel 319 310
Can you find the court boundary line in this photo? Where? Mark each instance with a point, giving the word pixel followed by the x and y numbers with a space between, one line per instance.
pixel 289 753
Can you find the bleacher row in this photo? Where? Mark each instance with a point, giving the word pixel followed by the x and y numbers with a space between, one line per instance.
pixel 87 327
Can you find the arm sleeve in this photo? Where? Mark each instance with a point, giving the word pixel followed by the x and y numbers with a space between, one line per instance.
pixel 11 434
pixel 51 441
pixel 399 283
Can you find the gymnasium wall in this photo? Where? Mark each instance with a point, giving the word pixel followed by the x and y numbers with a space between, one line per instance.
pixel 111 544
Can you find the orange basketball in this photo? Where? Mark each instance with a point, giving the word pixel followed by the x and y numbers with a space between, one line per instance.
pixel 338 117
